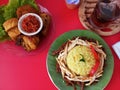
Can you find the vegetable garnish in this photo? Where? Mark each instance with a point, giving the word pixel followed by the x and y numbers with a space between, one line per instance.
pixel 2 32
pixel 97 61
pixel 94 53
pixel 82 59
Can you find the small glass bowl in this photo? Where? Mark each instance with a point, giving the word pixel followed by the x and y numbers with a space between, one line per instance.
pixel 30 33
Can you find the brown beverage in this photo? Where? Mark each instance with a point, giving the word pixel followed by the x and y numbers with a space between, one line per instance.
pixel 104 13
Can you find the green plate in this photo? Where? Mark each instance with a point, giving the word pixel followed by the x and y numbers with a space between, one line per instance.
pixel 57 78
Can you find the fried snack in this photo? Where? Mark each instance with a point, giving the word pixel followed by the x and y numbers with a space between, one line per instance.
pixel 11 23
pixel 46 23
pixel 13 33
pixel 11 27
pixel 30 43
pixel 25 9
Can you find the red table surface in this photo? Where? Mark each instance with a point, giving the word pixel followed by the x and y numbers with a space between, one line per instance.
pixel 29 72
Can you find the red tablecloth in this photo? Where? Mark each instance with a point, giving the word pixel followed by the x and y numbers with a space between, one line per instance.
pixel 29 72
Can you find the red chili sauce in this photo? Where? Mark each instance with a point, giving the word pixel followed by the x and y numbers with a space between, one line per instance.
pixel 30 24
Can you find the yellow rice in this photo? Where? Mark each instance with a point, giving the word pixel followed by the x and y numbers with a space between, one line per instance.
pixel 80 67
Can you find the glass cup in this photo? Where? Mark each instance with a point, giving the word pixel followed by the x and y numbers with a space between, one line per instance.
pixel 105 12
pixel 72 4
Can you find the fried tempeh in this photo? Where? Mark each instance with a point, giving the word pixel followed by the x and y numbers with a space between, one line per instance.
pixel 14 33
pixel 11 27
pixel 30 43
pixel 9 24
pixel 46 23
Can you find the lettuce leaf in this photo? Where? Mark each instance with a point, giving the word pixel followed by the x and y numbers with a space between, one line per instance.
pixel 10 9
pixel 30 2
pixel 2 31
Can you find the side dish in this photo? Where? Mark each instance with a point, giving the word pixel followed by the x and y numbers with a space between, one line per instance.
pixel 29 24
pixel 80 61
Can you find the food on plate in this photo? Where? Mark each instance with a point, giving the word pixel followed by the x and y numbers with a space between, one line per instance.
pixel 29 24
pixel 8 11
pixel 14 33
pixel 28 42
pixel 11 28
pixel 46 23
pixel 13 22
pixel 80 61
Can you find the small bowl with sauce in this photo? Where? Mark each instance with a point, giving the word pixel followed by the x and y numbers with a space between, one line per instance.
pixel 30 24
